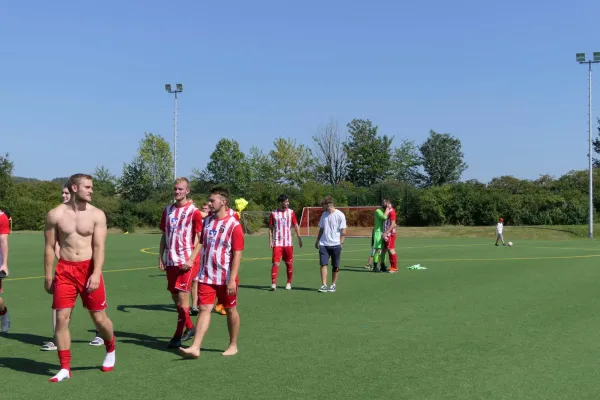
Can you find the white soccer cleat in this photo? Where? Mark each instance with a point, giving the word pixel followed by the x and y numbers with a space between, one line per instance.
pixel 288 286
pixel 4 322
pixel 109 361
pixel 98 341
pixel 273 287
pixel 61 376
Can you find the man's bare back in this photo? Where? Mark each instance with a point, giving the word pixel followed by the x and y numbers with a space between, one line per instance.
pixel 75 230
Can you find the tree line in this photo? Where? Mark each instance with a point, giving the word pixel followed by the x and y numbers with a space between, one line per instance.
pixel 358 166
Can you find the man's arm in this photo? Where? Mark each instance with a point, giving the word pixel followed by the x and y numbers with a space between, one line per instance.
pixel 49 250
pixel 271 227
pixel 237 245
pixel 343 236
pixel 161 252
pixel 4 252
pixel 319 237
pixel 297 229
pixel 197 246
pixel 98 246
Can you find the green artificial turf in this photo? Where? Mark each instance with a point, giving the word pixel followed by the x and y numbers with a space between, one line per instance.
pixel 481 322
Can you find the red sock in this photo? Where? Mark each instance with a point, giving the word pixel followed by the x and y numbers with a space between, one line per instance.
pixel 188 319
pixel 274 272
pixel 180 323
pixel 64 357
pixel 290 273
pixel 110 346
pixel 3 312
pixel 394 261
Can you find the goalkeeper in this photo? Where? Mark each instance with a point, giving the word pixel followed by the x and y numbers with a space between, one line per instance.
pixel 378 243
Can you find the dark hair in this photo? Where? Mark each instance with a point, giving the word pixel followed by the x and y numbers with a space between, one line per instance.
pixel 221 191
pixel 282 197
pixel 76 180
pixel 327 200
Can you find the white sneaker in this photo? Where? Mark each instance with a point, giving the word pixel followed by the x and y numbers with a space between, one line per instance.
pixel 98 341
pixel 332 288
pixel 273 287
pixel 49 346
pixel 4 322
pixel 323 289
pixel 288 286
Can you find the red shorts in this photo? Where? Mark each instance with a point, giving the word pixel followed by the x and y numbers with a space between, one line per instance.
pixel 207 294
pixel 179 280
pixel 70 280
pixel 287 253
pixel 390 244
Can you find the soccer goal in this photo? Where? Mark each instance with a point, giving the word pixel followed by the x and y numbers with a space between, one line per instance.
pixel 359 220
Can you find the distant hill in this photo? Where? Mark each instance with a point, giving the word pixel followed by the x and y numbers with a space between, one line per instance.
pixel 17 179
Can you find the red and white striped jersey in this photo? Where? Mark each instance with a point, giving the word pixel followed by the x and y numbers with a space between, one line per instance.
pixel 388 222
pixel 282 223
pixel 220 238
pixel 179 226
pixel 230 211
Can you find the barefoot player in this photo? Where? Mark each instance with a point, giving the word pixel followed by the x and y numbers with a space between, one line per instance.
pixel 222 244
pixel 81 230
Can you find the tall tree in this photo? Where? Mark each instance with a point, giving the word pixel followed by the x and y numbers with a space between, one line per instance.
pixel 227 166
pixel 331 156
pixel 6 171
pixel 596 146
pixel 136 182
pixel 406 162
pixel 155 153
pixel 293 163
pixel 104 181
pixel 369 155
pixel 260 166
pixel 442 158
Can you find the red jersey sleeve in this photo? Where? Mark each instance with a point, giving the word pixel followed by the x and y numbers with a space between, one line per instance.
pixel 163 224
pixel 294 219
pixel 392 215
pixel 236 216
pixel 237 239
pixel 197 222
pixel 271 219
pixel 4 225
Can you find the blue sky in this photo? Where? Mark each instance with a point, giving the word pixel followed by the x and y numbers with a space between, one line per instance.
pixel 82 82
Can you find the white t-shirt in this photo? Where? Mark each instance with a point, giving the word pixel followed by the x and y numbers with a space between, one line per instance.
pixel 332 225
pixel 499 227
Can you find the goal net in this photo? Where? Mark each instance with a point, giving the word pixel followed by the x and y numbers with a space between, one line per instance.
pixel 359 220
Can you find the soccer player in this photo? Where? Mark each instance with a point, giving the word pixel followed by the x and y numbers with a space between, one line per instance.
pixel 50 346
pixel 81 230
pixel 332 232
pixel 222 244
pixel 378 229
pixel 499 229
pixel 389 235
pixel 4 232
pixel 204 210
pixel 281 222
pixel 181 224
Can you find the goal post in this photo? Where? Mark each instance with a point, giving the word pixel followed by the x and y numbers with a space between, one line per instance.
pixel 359 220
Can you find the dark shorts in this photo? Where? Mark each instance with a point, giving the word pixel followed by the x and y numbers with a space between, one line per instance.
pixel 335 252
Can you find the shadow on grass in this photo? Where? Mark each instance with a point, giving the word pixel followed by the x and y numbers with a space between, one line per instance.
pixel 348 268
pixel 148 307
pixel 151 342
pixel 35 340
pixel 268 288
pixel 554 229
pixel 36 367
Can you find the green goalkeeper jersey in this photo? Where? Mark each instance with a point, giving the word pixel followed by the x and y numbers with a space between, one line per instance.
pixel 379 220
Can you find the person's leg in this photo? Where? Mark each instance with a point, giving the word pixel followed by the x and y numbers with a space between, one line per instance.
pixel 324 261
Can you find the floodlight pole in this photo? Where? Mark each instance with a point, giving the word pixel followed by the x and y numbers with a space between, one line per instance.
pixel 581 59
pixel 179 89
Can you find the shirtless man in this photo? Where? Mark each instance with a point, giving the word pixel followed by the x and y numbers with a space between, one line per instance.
pixel 50 346
pixel 81 230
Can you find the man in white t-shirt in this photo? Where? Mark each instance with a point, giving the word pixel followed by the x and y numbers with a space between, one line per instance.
pixel 499 229
pixel 332 232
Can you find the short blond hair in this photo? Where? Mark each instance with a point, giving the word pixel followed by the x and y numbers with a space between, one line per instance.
pixel 76 180
pixel 182 179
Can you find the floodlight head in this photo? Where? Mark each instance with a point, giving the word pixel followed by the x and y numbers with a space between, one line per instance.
pixel 168 88
pixel 580 57
pixel 597 56
pixel 179 87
